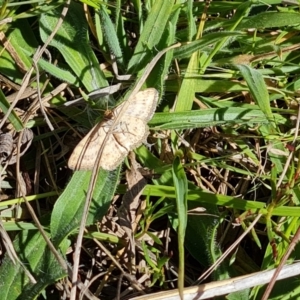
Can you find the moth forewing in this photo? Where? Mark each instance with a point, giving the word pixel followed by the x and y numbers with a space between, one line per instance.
pixel 83 156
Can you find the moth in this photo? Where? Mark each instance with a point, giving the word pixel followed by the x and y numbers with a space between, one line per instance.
pixel 130 130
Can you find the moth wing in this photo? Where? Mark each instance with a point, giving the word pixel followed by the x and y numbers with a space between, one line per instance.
pixel 113 154
pixel 131 133
pixel 141 106
pixel 84 154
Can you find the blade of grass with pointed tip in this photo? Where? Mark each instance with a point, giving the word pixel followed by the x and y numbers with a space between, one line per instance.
pixel 110 36
pixel 242 11
pixel 161 70
pixel 187 90
pixel 271 19
pixel 187 49
pixel 186 95
pixel 258 89
pixel 259 92
pixel 181 190
pixel 59 73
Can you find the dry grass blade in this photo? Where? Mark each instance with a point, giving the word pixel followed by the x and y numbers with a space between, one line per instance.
pixel 224 287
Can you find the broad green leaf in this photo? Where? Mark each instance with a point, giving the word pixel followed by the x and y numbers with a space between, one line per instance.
pixel 36 256
pixel 67 212
pixel 22 40
pixel 201 236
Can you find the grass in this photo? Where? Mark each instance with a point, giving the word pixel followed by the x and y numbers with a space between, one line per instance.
pixel 224 139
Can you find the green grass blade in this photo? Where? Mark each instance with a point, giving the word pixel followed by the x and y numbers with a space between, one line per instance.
pixel 260 94
pixel 212 117
pixel 57 72
pixel 192 25
pixel 110 36
pixel 151 34
pixel 186 50
pixel 161 70
pixel 258 89
pixel 272 19
pixel 242 11
pixel 204 197
pixel 13 117
pixel 187 90
pixel 181 189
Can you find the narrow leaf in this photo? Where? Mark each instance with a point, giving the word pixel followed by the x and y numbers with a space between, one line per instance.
pixel 258 89
pixel 272 19
pixel 181 190
pixel 110 36
pixel 13 117
pixel 151 34
pixel 212 117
